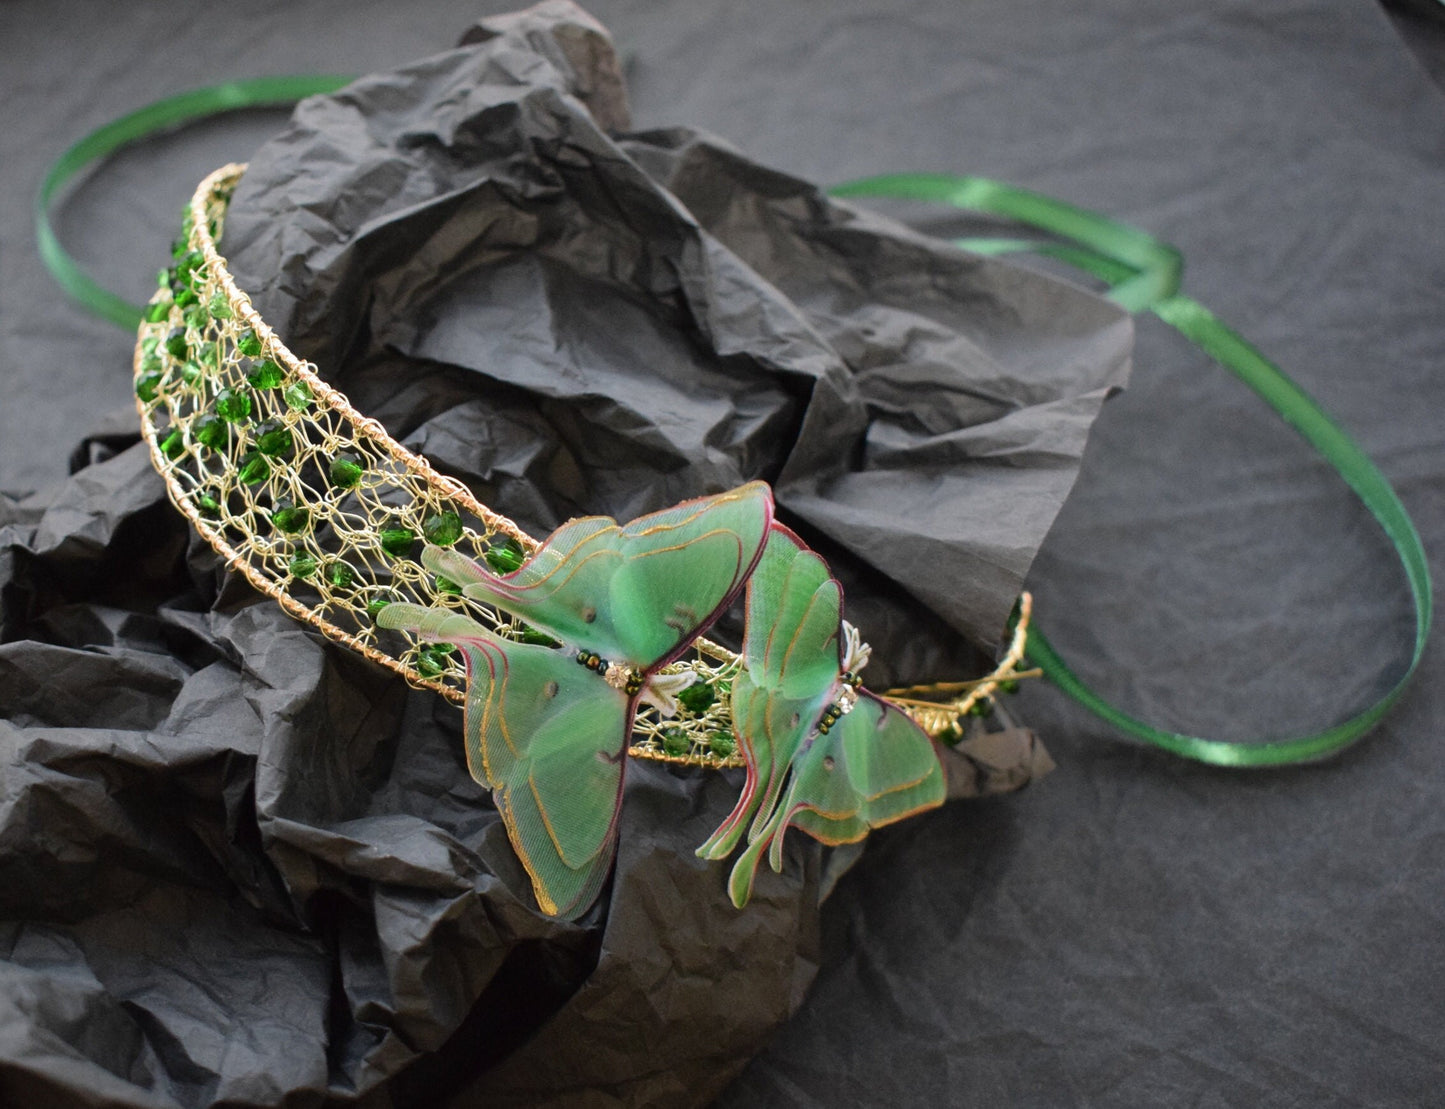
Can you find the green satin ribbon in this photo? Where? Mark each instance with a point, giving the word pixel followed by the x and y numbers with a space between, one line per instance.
pixel 1142 273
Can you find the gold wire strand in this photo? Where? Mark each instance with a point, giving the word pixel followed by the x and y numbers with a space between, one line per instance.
pixel 332 570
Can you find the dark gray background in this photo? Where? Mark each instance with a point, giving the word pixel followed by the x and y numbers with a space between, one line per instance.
pixel 1134 930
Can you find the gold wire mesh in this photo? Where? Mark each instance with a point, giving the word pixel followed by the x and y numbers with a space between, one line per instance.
pixel 319 508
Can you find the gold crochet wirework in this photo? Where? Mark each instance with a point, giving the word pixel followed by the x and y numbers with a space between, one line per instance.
pixel 320 509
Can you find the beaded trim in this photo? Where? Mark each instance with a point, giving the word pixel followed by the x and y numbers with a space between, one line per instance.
pixel 320 509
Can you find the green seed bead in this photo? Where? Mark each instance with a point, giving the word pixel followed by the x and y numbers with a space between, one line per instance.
pixel 266 375
pixel 505 555
pixel 209 504
pixel 1009 686
pixel 442 528
pixel 722 744
pixel 147 385
pixel 291 519
pixel 197 316
pixel 219 307
pixel 174 444
pixel 397 541
pixel 210 431
pixel 339 574
pixel 249 344
pixel 233 406
pixel 297 396
pixel 254 470
pixel 274 438
pixel 345 471
pixel 302 566
pixel 697 698
pixel 675 742
pixel 176 345
pixel 982 707
pixel 159 311
pixel 950 735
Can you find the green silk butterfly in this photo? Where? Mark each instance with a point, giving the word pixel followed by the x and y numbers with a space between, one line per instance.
pixel 823 754
pixel 549 736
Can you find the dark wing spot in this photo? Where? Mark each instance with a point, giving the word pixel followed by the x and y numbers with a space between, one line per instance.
pixel 827 762
pixel 797 719
pixel 589 614
pixel 549 690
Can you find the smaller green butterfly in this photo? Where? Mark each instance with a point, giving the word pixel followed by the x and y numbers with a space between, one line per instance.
pixel 823 754
pixel 549 736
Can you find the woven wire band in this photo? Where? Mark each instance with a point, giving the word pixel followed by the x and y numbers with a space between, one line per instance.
pixel 320 509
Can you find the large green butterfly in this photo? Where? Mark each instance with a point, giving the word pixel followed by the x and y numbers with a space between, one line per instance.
pixel 549 736
pixel 823 754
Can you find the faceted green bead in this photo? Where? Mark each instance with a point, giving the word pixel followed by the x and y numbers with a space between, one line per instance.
pixel 1009 686
pixel 529 633
pixel 207 354
pixel 190 373
pixel 176 345
pixel 187 263
pixel 210 431
pixel 274 438
pixel 152 364
pixel 179 248
pixel 397 541
pixel 159 311
pixel 675 742
pixel 982 707
pixel 302 566
pixel 339 574
pixel 442 528
pixel 174 444
pixel 197 317
pixel 149 345
pixel 208 504
pixel 950 735
pixel 249 344
pixel 446 585
pixel 345 471
pixel 697 698
pixel 297 396
pixel 186 297
pixel 431 659
pixel 505 555
pixel 266 375
pixel 722 744
pixel 147 384
pixel 376 604
pixel 219 307
pixel 233 406
pixel 254 470
pixel 291 519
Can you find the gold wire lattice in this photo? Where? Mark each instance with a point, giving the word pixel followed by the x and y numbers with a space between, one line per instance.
pixel 320 509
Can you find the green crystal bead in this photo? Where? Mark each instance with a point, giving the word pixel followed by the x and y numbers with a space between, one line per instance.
pixel 233 406
pixel 174 444
pixel 197 317
pixel 274 438
pixel 950 735
pixel 675 742
pixel 208 504
pixel 210 431
pixel 291 519
pixel 266 375
pixel 297 396
pixel 149 345
pixel 345 471
pixel 376 604
pixel 176 345
pixel 219 307
pixel 505 555
pixel 152 364
pixel 722 744
pixel 697 698
pixel 186 297
pixel 207 354
pixel 179 247
pixel 254 470
pixel 1009 686
pixel 442 528
pixel 190 373
pixel 302 566
pixel 249 344
pixel 397 541
pixel 159 311
pixel 187 263
pixel 529 634
pixel 147 384
pixel 431 659
pixel 446 585
pixel 339 574
pixel 982 707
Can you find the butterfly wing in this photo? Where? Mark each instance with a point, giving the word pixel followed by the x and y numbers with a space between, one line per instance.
pixel 789 676
pixel 549 738
pixel 635 594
